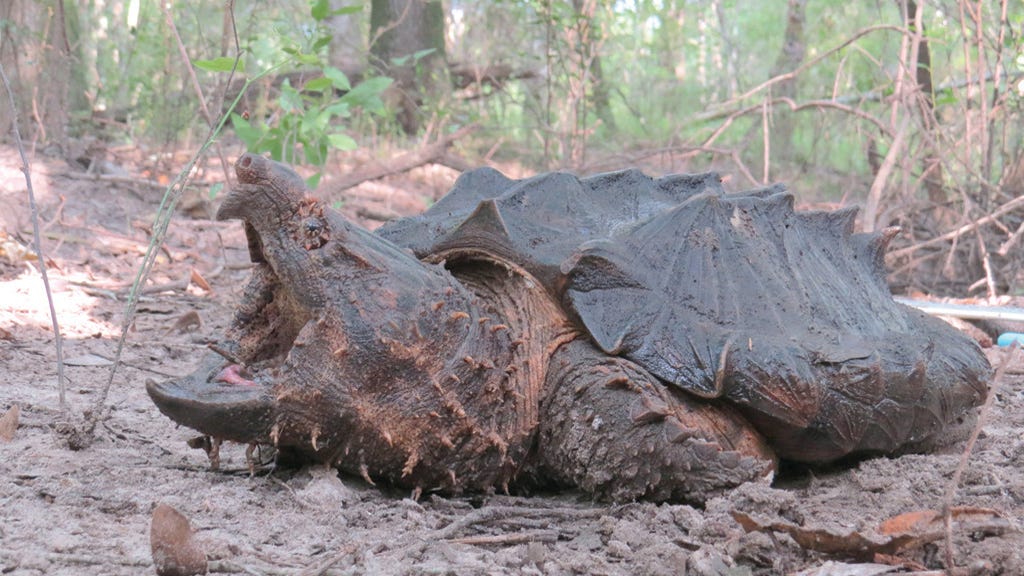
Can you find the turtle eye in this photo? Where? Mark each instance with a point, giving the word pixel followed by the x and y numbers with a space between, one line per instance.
pixel 312 232
pixel 312 226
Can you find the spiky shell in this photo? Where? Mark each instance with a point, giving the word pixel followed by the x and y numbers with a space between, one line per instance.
pixel 784 314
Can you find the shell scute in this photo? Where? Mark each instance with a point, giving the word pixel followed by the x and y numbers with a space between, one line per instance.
pixel 736 296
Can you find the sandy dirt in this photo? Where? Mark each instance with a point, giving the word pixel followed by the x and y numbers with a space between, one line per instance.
pixel 88 511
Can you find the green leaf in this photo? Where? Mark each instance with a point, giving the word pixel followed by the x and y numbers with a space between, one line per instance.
pixel 315 153
pixel 221 64
pixel 317 84
pixel 311 122
pixel 367 93
pixel 354 9
pixel 308 59
pixel 421 53
pixel 246 132
pixel 290 99
pixel 276 149
pixel 320 43
pixel 339 109
pixel 342 142
pixel 313 180
pixel 338 78
pixel 320 10
pixel 215 189
pixel 946 98
pixel 323 149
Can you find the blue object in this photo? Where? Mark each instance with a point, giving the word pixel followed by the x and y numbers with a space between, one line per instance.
pixel 1007 338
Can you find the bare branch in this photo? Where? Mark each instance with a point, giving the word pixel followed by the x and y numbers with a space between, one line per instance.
pixel 27 171
pixel 796 72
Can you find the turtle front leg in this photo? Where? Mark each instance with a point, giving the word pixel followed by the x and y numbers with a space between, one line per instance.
pixel 613 429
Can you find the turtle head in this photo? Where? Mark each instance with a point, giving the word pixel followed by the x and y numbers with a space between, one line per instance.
pixel 267 189
pixel 327 305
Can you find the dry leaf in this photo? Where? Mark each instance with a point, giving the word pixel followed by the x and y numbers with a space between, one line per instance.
pixel 187 321
pixel 12 251
pixel 9 423
pixel 175 551
pixel 927 519
pixel 199 281
pixel 907 522
pixel 902 532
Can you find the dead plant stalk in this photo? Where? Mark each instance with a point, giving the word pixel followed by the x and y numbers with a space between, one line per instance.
pixel 954 482
pixel 27 171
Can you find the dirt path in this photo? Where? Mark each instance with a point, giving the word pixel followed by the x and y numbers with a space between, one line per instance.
pixel 88 511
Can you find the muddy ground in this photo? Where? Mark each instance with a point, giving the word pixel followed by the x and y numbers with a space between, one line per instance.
pixel 88 511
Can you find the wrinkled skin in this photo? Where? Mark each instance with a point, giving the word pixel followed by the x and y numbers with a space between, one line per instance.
pixel 552 348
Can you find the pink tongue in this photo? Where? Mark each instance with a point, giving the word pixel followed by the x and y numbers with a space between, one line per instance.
pixel 232 375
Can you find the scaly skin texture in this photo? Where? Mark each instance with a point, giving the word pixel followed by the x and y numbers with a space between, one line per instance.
pixel 515 339
pixel 355 353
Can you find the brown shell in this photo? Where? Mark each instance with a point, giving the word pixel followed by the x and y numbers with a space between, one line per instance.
pixel 784 314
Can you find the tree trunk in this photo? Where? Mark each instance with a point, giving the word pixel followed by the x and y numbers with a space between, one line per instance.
pixel 781 129
pixel 347 50
pixel 401 33
pixel 933 180
pixel 36 55
pixel 790 57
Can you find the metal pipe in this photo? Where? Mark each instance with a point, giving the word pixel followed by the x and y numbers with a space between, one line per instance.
pixel 966 311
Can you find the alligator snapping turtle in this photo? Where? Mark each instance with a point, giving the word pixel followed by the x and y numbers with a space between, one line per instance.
pixel 635 337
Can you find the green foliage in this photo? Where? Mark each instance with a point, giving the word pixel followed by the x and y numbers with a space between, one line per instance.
pixel 612 78
pixel 311 119
pixel 222 64
pixel 308 119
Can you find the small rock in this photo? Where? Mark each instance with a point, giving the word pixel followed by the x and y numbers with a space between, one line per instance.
pixel 618 548
pixel 325 489
pixel 706 562
pixel 535 554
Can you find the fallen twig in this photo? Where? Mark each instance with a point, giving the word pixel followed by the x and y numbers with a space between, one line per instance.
pixel 376 215
pixel 95 560
pixel 130 180
pixel 114 243
pixel 892 536
pixel 403 163
pixel 508 539
pixel 493 513
pixel 1010 206
pixel 324 565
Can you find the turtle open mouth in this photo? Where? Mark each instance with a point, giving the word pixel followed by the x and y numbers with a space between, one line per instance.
pixel 225 410
pixel 230 395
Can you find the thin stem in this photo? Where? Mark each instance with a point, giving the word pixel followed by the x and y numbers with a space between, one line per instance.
pixel 160 224
pixel 38 243
pixel 165 7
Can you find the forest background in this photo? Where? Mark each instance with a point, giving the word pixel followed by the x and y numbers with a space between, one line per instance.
pixel 911 111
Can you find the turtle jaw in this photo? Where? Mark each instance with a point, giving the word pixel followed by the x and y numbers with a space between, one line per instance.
pixel 241 412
